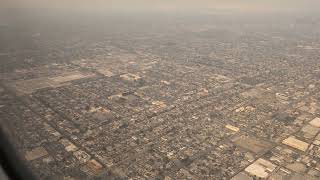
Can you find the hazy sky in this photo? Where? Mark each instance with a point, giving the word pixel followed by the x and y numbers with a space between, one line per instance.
pixel 245 5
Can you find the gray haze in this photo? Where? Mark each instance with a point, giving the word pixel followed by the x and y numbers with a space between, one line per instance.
pixel 241 5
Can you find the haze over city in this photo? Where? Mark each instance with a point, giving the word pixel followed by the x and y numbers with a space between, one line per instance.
pixel 170 89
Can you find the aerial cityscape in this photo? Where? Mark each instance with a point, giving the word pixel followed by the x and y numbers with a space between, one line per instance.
pixel 205 96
